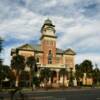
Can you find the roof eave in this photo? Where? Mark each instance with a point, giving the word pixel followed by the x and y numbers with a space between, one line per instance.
pixel 47 36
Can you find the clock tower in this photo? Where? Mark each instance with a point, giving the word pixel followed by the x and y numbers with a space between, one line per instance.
pixel 48 42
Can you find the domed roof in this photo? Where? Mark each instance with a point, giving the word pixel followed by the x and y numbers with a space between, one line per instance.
pixel 48 21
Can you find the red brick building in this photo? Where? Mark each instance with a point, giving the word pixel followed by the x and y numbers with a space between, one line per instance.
pixel 46 53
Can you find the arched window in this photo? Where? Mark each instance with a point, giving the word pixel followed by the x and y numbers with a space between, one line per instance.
pixel 50 57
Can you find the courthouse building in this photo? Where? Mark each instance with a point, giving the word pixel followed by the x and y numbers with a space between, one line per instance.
pixel 46 53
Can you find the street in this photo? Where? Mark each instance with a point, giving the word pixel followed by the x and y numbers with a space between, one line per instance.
pixel 66 94
pixel 70 94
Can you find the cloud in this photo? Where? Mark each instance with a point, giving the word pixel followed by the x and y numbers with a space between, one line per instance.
pixel 80 33
pixel 6 53
pixel 77 24
pixel 95 58
pixel 22 27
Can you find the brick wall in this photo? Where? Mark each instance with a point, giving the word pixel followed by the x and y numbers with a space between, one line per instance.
pixel 46 45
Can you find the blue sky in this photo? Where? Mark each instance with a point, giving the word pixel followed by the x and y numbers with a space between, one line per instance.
pixel 77 25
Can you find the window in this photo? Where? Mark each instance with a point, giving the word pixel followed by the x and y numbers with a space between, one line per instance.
pixel 37 59
pixel 49 51
pixel 50 57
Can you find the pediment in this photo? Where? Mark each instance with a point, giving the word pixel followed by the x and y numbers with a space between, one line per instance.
pixel 26 47
pixel 69 52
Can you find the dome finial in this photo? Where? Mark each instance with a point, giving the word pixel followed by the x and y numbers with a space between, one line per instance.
pixel 47 21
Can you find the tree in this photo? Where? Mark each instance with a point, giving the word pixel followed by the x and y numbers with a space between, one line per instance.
pixel 78 74
pixel 45 74
pixel 31 63
pixel 96 76
pixel 1 41
pixel 86 66
pixel 18 64
pixel 12 78
pixel 71 77
pixel 63 72
pixel 6 70
pixel 4 73
pixel 24 77
pixel 1 44
pixel 36 81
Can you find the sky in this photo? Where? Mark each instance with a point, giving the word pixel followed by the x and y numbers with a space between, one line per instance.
pixel 77 25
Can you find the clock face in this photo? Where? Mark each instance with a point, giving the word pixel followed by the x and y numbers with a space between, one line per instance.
pixel 49 32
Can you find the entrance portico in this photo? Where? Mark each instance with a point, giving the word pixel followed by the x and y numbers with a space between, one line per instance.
pixel 56 79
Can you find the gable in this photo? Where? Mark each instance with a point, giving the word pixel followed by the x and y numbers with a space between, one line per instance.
pixel 26 47
pixel 69 52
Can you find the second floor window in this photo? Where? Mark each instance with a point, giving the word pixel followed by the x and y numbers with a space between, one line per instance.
pixel 49 57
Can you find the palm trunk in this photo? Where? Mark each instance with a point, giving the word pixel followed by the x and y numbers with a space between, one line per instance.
pixel 17 81
pixel 63 80
pixel 86 79
pixel 17 78
pixel 30 78
pixel 45 81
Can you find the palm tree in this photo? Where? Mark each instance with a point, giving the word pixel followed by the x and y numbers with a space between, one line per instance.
pixel 63 72
pixel 71 78
pixel 45 74
pixel 96 76
pixel 31 63
pixel 78 73
pixel 18 64
pixel 87 68
pixel 24 77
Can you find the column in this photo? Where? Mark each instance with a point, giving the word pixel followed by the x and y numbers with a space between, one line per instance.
pixel 57 77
